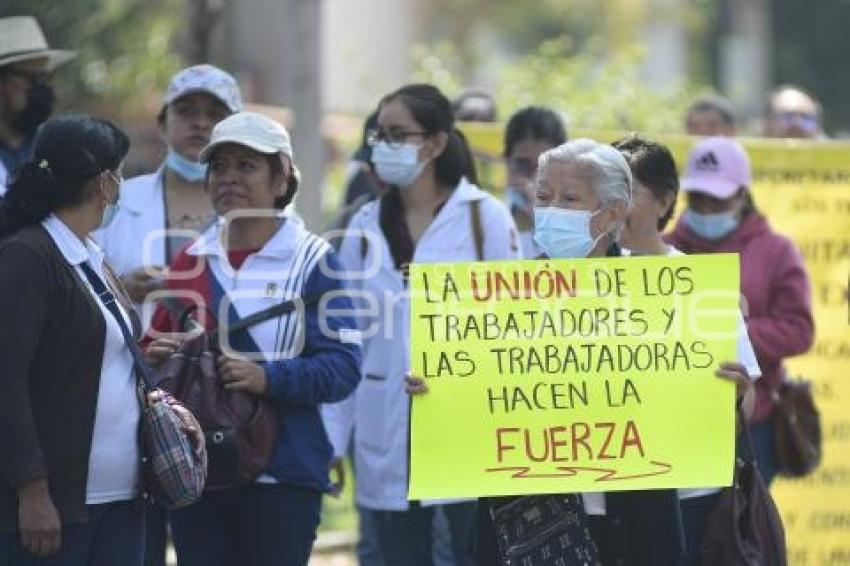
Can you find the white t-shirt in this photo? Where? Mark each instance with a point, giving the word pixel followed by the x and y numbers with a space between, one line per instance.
pixel 594 503
pixel 114 456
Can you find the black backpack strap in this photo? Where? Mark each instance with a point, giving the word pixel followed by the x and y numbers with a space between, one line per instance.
pixel 477 228
pixel 143 372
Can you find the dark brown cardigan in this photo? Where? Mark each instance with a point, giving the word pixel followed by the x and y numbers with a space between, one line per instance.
pixel 51 349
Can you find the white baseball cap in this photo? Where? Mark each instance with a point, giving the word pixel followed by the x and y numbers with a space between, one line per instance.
pixel 253 130
pixel 208 79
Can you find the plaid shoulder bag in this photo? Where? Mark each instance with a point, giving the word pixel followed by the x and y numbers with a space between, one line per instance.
pixel 175 453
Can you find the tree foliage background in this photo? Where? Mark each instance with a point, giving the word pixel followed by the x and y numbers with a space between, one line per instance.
pixel 577 54
pixel 124 49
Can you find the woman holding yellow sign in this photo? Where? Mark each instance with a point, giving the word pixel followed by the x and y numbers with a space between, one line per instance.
pixel 583 193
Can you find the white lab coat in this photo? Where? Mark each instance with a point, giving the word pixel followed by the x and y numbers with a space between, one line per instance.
pixel 379 409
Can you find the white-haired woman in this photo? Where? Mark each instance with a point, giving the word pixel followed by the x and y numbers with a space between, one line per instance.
pixel 583 194
pixel 584 189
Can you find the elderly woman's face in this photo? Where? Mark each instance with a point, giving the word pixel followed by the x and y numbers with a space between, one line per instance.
pixel 562 185
pixel 240 178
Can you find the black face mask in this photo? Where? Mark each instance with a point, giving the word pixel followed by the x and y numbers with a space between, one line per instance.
pixel 40 99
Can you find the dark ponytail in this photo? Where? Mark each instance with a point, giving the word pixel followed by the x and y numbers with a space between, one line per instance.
pixel 68 152
pixel 433 111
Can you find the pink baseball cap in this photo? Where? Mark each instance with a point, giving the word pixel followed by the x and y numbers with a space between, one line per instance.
pixel 717 166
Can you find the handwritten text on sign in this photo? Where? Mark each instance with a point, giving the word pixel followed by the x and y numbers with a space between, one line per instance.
pixel 572 375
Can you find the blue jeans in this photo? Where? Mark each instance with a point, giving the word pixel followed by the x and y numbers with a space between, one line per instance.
pixel 114 534
pixel 407 537
pixel 368 549
pixel 257 524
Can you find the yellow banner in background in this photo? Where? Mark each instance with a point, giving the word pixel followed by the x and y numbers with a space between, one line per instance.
pixel 572 375
pixel 803 188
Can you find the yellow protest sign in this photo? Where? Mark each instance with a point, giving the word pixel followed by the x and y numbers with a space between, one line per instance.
pixel 803 188
pixel 572 375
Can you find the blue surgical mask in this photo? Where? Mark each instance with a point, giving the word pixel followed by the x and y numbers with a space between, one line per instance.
pixel 109 213
pixel 192 171
pixel 711 226
pixel 562 233
pixel 397 166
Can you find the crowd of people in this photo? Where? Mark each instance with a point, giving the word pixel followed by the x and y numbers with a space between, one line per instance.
pixel 216 221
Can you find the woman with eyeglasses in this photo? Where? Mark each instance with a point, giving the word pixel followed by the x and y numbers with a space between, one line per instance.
pixel 529 132
pixel 433 212
pixel 69 409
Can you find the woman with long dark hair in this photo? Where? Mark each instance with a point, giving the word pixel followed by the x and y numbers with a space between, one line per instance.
pixel 433 212
pixel 69 410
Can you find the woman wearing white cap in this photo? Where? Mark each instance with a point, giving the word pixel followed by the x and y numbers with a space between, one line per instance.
pixel 721 217
pixel 172 198
pixel 256 257
pixel 159 212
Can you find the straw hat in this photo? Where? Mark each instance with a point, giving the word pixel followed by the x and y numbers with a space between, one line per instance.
pixel 21 39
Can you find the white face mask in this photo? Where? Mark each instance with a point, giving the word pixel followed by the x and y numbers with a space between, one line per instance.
pixel 563 233
pixel 397 166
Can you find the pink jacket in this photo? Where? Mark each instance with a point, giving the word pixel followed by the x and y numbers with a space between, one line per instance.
pixel 778 307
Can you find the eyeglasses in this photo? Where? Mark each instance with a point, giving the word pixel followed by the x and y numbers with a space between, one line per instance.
pixel 394 138
pixel 804 121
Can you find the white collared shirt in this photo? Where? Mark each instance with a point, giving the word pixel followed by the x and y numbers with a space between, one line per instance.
pixel 114 456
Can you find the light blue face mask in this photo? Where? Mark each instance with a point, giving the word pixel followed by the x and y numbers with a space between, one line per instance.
pixel 397 166
pixel 562 233
pixel 109 213
pixel 711 226
pixel 111 208
pixel 192 171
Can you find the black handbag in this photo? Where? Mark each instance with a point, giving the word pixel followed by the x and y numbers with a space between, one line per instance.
pixel 542 530
pixel 744 528
pixel 797 430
